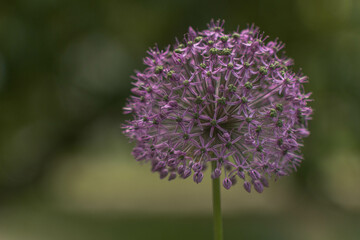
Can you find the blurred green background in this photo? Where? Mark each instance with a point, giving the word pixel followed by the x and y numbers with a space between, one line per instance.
pixel 66 171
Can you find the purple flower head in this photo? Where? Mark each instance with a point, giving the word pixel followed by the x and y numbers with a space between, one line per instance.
pixel 228 98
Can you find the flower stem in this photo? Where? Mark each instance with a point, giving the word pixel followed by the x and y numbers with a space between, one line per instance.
pixel 218 230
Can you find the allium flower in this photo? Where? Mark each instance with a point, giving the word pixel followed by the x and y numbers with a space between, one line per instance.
pixel 231 99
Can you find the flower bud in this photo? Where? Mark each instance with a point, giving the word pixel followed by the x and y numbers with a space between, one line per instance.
pixel 163 173
pixel 264 182
pixel 302 132
pixel 216 173
pixel 254 174
pixel 181 169
pixel 198 176
pixel 197 167
pixel 159 165
pixel 172 176
pixel 187 173
pixel 247 186
pixel 258 186
pixel 227 183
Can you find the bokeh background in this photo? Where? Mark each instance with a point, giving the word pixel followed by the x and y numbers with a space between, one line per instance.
pixel 66 171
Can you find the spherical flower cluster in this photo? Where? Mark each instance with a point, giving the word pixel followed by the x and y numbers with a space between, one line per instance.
pixel 230 99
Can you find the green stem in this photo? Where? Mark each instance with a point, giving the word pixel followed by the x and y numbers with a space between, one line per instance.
pixel 218 231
